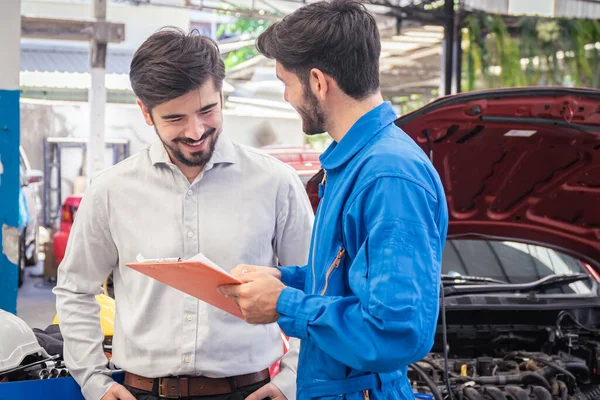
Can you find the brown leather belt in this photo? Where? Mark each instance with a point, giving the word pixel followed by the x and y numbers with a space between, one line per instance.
pixel 176 387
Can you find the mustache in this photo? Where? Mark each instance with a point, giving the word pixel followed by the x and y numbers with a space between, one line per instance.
pixel 206 134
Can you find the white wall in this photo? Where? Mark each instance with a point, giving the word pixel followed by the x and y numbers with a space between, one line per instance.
pixel 543 8
pixel 10 28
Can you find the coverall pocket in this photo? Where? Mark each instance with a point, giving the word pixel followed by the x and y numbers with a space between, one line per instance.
pixel 333 269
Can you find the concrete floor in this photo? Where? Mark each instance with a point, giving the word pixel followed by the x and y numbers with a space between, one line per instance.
pixel 35 301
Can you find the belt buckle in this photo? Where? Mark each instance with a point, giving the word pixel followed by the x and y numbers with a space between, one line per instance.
pixel 160 389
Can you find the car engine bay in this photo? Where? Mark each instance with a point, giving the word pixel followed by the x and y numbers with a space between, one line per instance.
pixel 506 355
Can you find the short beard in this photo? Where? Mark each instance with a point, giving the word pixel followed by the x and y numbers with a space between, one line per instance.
pixel 198 159
pixel 313 117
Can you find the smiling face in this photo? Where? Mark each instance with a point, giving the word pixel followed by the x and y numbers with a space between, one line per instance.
pixel 303 100
pixel 189 126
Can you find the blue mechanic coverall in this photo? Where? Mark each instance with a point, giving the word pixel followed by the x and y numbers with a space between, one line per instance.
pixel 366 305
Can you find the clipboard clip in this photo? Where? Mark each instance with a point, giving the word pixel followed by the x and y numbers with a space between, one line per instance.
pixel 139 258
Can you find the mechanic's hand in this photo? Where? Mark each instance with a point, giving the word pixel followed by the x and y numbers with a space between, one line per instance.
pixel 257 297
pixel 239 273
pixel 118 392
pixel 269 390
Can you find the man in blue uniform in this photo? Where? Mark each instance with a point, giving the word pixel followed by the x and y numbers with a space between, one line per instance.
pixel 366 305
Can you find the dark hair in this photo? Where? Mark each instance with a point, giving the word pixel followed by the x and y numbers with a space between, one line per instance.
pixel 340 38
pixel 171 63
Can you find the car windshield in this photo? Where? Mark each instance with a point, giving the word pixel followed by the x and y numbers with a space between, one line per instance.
pixel 512 262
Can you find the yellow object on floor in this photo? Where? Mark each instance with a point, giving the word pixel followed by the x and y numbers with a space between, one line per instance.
pixel 107 314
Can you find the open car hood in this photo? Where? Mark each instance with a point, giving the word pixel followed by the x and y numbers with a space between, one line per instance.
pixel 520 164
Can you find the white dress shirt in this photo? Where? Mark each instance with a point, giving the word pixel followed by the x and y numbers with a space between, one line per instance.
pixel 244 208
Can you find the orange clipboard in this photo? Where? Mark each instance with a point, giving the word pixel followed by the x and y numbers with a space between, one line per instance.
pixel 194 278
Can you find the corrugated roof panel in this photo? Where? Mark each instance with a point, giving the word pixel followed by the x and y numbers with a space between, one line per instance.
pixel 562 8
pixel 492 6
pixel 44 58
pixel 577 9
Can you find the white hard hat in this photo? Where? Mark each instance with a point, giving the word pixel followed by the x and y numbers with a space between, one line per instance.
pixel 17 341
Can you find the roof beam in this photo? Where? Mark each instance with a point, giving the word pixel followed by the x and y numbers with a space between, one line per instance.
pixel 68 29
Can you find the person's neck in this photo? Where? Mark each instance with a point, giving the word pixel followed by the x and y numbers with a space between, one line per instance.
pixel 191 173
pixel 347 111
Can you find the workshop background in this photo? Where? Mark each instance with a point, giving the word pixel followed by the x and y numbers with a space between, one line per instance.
pixel 67 111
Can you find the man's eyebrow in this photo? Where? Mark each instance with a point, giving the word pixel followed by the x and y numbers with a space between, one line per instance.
pixel 172 116
pixel 175 116
pixel 208 107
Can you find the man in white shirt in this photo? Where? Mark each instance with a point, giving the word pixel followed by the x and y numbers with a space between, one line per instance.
pixel 192 191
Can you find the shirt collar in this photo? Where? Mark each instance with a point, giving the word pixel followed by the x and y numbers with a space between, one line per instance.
pixel 367 126
pixel 224 152
pixel 158 153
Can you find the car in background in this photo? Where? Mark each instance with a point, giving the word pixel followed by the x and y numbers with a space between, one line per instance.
pixel 30 207
pixel 521 264
pixel 67 216
pixel 303 159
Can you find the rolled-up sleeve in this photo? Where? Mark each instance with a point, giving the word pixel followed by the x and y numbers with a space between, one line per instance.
pixel 90 256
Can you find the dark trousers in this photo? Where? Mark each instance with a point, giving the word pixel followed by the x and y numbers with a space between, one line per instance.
pixel 238 394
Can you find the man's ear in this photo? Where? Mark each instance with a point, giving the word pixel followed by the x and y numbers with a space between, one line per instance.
pixel 320 83
pixel 145 112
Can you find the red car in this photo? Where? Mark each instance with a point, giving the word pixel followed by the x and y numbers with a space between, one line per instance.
pixel 303 159
pixel 67 215
pixel 521 172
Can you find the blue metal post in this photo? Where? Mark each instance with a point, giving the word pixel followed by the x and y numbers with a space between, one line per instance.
pixel 10 34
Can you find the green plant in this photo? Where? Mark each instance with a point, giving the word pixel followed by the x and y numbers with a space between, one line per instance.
pixel 244 28
pixel 543 52
pixel 319 142
pixel 239 56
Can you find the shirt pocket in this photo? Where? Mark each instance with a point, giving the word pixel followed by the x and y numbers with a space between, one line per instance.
pixel 332 284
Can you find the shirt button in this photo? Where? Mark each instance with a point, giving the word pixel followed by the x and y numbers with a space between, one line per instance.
pixel 190 234
pixel 189 318
pixel 190 193
pixel 187 359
